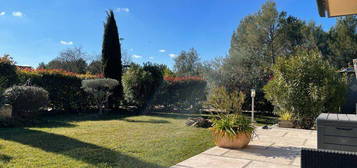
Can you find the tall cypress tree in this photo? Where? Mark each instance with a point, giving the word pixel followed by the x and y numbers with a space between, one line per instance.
pixel 111 55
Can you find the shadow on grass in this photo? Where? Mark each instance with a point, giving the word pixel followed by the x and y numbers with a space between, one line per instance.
pixel 92 154
pixel 174 115
pixel 151 121
pixel 5 158
pixel 38 123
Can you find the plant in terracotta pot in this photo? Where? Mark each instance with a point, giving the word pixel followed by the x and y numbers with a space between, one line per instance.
pixel 232 131
pixel 229 128
pixel 286 119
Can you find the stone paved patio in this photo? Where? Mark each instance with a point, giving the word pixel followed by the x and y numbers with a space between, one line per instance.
pixel 271 148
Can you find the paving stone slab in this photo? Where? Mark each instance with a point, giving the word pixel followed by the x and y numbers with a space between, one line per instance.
pixel 270 148
pixel 216 151
pixel 258 164
pixel 211 161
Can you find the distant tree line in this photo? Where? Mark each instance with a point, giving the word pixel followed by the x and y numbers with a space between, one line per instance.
pixel 268 34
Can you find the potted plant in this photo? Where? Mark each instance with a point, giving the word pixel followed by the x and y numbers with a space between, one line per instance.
pixel 232 131
pixel 285 120
pixel 229 127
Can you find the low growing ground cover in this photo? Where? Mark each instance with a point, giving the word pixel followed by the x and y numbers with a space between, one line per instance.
pixel 159 140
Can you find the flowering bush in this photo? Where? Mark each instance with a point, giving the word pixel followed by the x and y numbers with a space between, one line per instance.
pixel 59 71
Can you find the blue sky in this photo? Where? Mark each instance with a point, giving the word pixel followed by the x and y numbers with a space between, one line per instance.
pixel 34 31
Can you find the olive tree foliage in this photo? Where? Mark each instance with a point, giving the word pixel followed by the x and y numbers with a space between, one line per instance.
pixel 100 89
pixel 95 67
pixel 187 63
pixel 305 85
pixel 255 45
pixel 343 41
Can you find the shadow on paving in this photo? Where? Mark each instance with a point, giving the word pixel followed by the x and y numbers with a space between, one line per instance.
pixel 59 144
pixel 273 152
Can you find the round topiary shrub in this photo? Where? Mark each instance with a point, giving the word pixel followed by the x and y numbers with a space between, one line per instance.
pixel 100 89
pixel 26 100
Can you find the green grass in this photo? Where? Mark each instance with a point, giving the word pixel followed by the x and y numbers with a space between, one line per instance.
pixel 158 140
pixel 262 119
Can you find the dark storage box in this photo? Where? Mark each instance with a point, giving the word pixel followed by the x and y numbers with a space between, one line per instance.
pixel 337 132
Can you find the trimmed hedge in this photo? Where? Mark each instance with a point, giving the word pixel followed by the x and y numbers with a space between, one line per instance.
pixel 8 76
pixel 64 88
pixel 182 92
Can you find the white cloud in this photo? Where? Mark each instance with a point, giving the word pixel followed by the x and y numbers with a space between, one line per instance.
pixel 66 42
pixel 122 10
pixel 172 55
pixel 136 56
pixel 162 50
pixel 151 57
pixel 2 13
pixel 17 14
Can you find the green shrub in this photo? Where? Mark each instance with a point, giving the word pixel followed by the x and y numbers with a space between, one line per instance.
pixel 228 102
pixel 182 92
pixel 65 93
pixel 100 89
pixel 305 85
pixel 141 83
pixel 8 76
pixel 26 100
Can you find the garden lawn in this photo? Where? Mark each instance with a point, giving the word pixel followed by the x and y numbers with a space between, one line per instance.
pixel 160 140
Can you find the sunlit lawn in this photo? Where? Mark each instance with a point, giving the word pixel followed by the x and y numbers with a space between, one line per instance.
pixel 112 141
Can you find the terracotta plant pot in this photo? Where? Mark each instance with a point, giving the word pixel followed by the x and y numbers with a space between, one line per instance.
pixel 286 124
pixel 239 141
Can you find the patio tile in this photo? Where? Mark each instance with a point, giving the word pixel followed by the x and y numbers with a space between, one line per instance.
pixel 258 164
pixel 210 161
pixel 273 155
pixel 310 144
pixel 216 151
pixel 297 161
pixel 276 147
pixel 259 144
pixel 177 166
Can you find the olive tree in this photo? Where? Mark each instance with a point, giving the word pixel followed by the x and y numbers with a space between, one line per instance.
pixel 101 89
